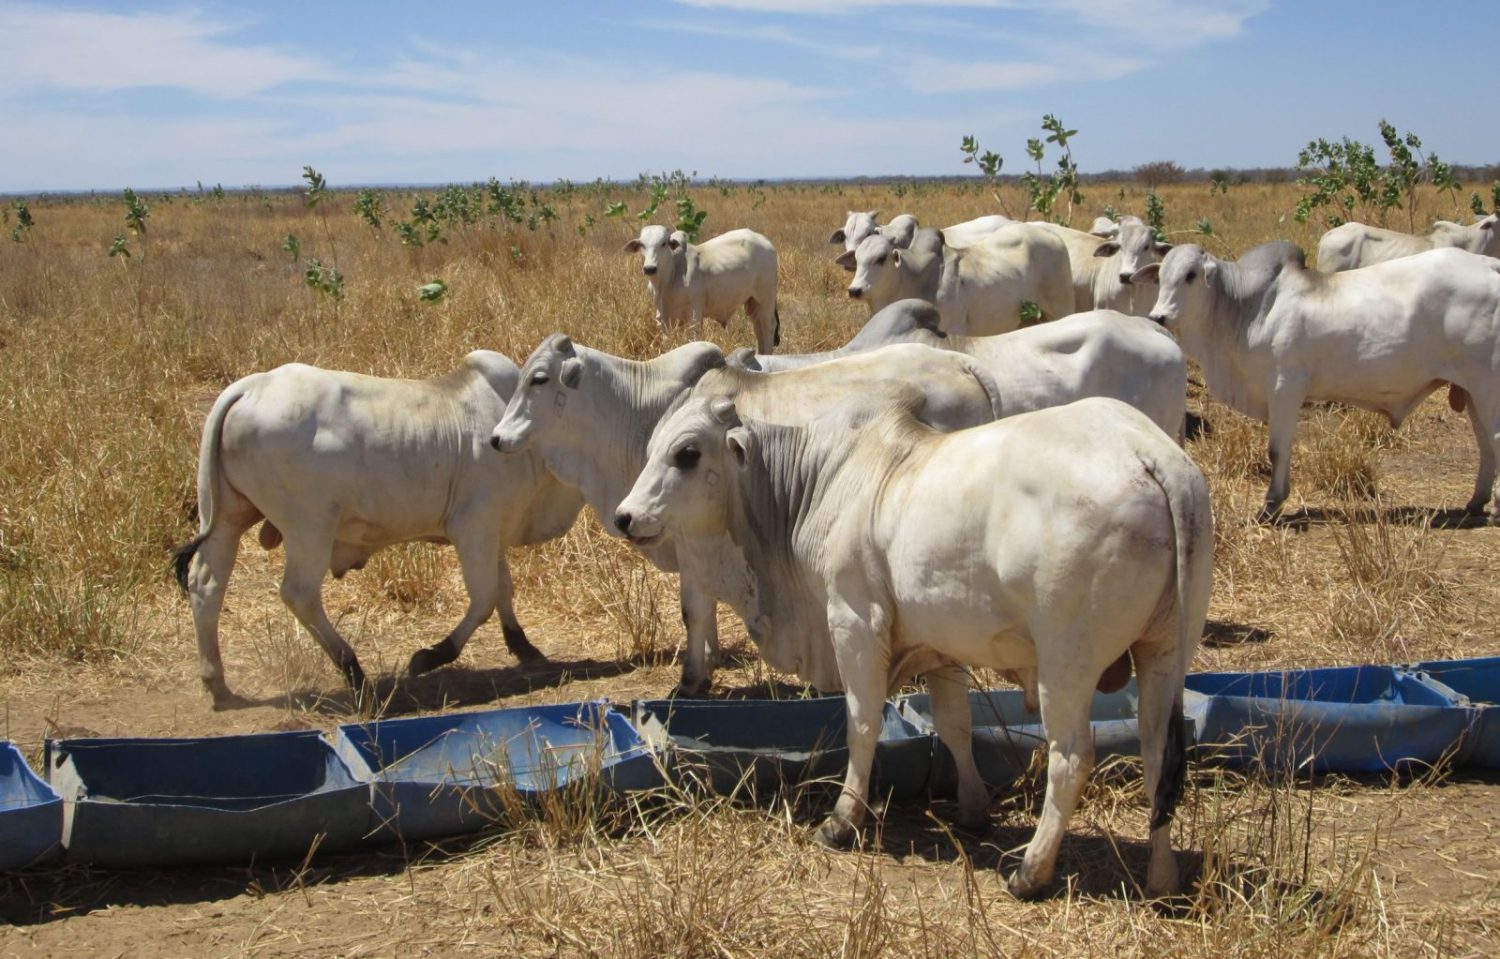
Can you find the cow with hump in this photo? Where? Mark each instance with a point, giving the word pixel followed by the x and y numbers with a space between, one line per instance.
pixel 1057 542
pixel 341 465
pixel 1351 246
pixel 712 279
pixel 589 416
pixel 978 289
pixel 1272 335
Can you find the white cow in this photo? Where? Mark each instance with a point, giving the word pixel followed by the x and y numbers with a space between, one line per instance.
pixel 1354 245
pixel 711 279
pixel 1104 262
pixel 858 225
pixel 903 229
pixel 1098 353
pixel 979 289
pixel 342 465
pixel 1272 335
pixel 587 415
pixel 1057 542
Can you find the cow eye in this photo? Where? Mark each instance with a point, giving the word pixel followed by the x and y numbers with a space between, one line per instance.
pixel 686 458
pixel 539 378
pixel 880 262
pixel 1190 277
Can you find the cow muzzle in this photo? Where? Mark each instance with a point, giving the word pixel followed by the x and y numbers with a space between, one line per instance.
pixel 1127 278
pixel 649 270
pixel 635 531
pixel 855 292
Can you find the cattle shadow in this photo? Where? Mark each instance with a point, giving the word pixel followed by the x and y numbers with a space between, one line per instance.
pixel 1427 517
pixel 451 687
pixel 46 894
pixel 1218 634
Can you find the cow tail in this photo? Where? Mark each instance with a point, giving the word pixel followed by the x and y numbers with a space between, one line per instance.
pixel 209 469
pixel 776 335
pixel 1192 530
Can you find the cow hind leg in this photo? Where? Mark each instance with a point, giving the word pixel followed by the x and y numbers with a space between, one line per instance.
pixel 949 689
pixel 1488 441
pixel 767 325
pixel 1163 755
pixel 204 568
pixel 487 580
pixel 307 561
pixel 1070 759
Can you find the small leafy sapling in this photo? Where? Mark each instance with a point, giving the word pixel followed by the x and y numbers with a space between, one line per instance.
pixel 367 207
pixel 24 221
pixel 432 292
pixel 290 244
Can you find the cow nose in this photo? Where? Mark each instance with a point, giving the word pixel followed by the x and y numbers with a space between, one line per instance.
pixel 622 522
pixel 495 442
pixel 1158 319
pixel 855 292
pixel 649 270
pixel 1125 278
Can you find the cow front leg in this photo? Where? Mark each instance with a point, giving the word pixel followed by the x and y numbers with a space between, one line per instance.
pixel 487 581
pixel 1070 759
pixel 1488 441
pixel 949 689
pixel 860 652
pixel 1285 404
pixel 700 620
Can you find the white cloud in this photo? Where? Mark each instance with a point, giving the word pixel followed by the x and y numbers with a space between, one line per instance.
pixel 839 6
pixel 48 48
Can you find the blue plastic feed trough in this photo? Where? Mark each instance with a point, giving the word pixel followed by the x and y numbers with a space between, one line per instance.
pixel 1478 681
pixel 1004 735
pixel 232 799
pixel 437 775
pixel 1340 719
pixel 765 745
pixel 31 814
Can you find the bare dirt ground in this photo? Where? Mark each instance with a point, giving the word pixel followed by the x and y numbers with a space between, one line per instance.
pixel 728 880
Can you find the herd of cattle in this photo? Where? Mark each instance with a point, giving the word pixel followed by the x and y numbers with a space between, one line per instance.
pixel 947 490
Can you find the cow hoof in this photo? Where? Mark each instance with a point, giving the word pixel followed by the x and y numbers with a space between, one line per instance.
pixel 521 648
pixel 976 824
pixel 224 699
pixel 1025 888
pixel 1269 515
pixel 691 689
pixel 426 660
pixel 836 833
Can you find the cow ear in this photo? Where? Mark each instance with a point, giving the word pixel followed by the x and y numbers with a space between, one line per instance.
pixel 896 258
pixel 1488 223
pixel 846 260
pixel 1146 274
pixel 837 237
pixel 634 246
pixel 1162 248
pixel 739 442
pixel 572 372
pixel 1107 249
pixel 673 242
pixel 564 345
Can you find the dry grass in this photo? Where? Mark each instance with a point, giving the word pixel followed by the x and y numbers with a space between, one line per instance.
pixel 110 368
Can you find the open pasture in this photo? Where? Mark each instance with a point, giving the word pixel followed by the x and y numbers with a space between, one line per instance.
pixel 112 362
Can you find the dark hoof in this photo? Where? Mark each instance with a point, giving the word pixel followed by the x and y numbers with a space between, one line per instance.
pixel 426 660
pixel 520 647
pixel 977 825
pixel 1269 515
pixel 1026 889
pixel 836 833
pixel 691 690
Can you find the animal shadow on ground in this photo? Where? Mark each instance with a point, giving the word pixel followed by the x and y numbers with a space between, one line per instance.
pixel 1432 518
pixel 48 893
pixel 1218 634
pixel 451 687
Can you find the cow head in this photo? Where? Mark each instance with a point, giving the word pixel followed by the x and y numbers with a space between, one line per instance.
pixel 656 245
pixel 856 227
pixel 693 453
pixel 547 377
pixel 874 265
pixel 1137 245
pixel 1186 278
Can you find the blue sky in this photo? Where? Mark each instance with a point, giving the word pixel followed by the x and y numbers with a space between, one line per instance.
pixel 158 95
